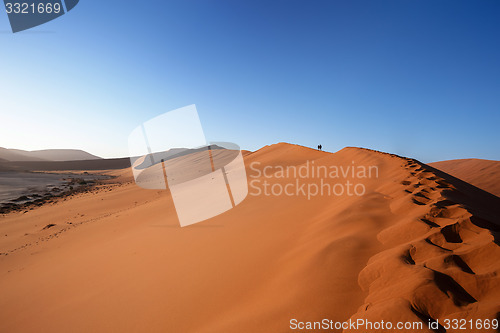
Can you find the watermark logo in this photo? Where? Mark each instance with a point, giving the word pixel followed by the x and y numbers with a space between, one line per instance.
pixel 26 14
pixel 170 151
pixel 310 179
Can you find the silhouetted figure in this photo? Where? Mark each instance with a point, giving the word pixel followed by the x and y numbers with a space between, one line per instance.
pixel 320 147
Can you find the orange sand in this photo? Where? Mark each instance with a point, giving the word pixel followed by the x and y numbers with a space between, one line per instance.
pixel 418 244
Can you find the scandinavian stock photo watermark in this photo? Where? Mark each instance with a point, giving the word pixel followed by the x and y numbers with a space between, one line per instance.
pixel 205 179
pixel 310 179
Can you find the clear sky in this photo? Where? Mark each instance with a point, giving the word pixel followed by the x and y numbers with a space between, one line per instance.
pixel 416 78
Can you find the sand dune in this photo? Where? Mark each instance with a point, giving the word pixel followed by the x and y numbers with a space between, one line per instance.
pixel 15 155
pixel 56 160
pixel 441 260
pixel 484 174
pixel 417 244
pixel 100 164
pixel 46 155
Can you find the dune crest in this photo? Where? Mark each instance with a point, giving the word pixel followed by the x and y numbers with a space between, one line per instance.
pixel 440 260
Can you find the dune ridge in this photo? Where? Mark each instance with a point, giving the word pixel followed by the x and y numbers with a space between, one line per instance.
pixel 440 260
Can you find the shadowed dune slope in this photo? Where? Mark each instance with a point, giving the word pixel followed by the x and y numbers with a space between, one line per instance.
pixel 484 174
pixel 417 244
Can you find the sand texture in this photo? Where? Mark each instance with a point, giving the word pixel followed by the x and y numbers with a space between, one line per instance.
pixel 418 244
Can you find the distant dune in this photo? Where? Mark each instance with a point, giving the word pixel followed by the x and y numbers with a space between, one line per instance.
pixel 484 174
pixel 15 155
pixel 101 164
pixel 56 160
pixel 418 245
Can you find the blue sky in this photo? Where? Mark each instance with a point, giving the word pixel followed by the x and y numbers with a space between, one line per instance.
pixel 416 78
